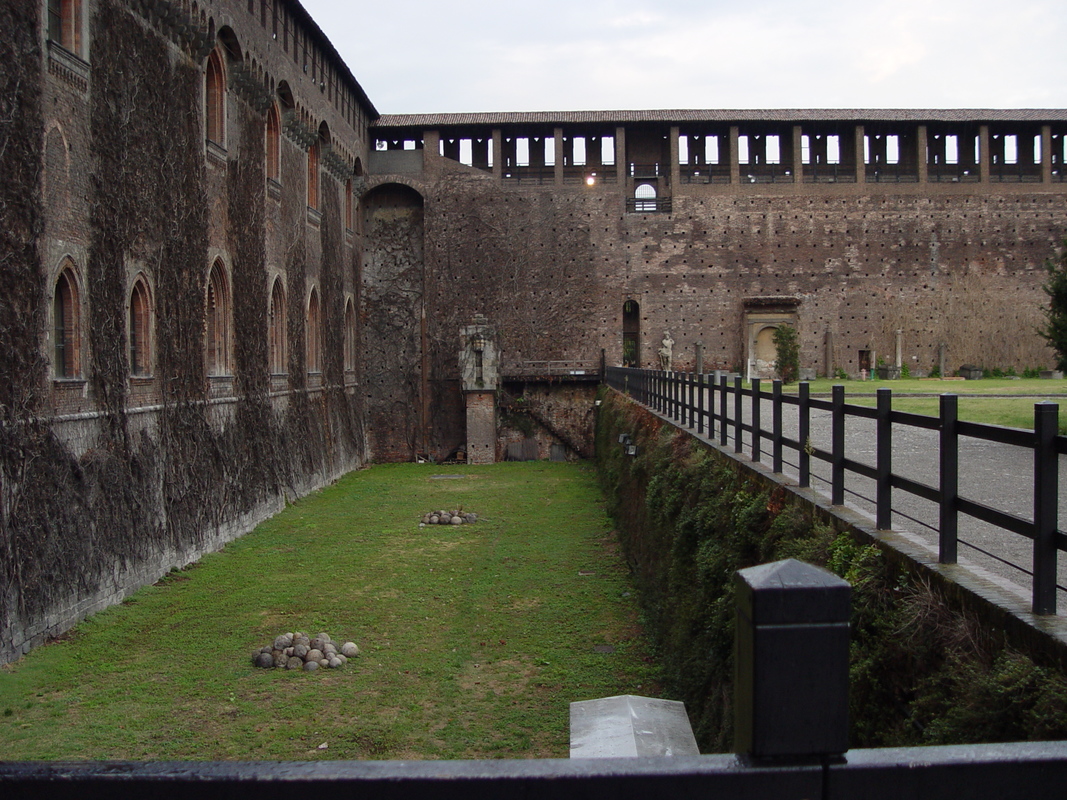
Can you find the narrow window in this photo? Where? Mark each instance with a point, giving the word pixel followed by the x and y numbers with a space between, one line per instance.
pixel 140 329
pixel 277 329
pixel 274 144
pixel 350 336
pixel 314 334
pixel 349 205
pixel 215 100
pixel 66 312
pixel 313 176
pixel 218 321
pixel 65 23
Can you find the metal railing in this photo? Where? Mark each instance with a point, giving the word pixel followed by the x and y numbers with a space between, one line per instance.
pixel 717 411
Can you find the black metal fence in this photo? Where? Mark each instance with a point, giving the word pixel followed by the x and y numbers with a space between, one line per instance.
pixel 716 409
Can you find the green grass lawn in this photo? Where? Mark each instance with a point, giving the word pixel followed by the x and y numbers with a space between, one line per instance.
pixel 1011 403
pixel 475 638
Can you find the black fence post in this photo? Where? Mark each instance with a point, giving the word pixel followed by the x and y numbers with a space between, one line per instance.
pixel 776 425
pixel 756 432
pixel 691 381
pixel 722 410
pixel 837 446
pixel 737 414
pixel 804 434
pixel 1046 476
pixel 948 543
pixel 883 517
pixel 700 402
pixel 791 662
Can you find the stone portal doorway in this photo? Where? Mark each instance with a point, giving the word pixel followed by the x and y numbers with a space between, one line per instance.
pixel 762 317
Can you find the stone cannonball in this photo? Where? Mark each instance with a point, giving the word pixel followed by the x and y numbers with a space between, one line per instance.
pixel 294 663
pixel 313 655
pixel 311 666
pixel 349 649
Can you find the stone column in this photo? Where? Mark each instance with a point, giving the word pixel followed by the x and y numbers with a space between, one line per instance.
pixel 431 150
pixel 557 141
pixel 923 155
pixel 675 167
pixel 984 156
pixel 479 366
pixel 1046 154
pixel 861 166
pixel 798 154
pixel 621 168
pixel 900 343
pixel 498 154
pixel 735 165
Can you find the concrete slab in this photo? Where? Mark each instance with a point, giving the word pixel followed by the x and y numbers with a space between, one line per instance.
pixel 628 726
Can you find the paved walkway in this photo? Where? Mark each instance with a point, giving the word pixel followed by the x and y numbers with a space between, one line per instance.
pixel 994 474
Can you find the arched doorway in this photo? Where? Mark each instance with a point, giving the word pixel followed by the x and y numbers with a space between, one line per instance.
pixel 631 334
pixel 394 328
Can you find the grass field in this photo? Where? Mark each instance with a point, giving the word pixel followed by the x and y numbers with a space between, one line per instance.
pixel 475 638
pixel 996 401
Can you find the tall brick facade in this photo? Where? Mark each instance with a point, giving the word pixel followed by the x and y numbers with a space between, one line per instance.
pixel 227 279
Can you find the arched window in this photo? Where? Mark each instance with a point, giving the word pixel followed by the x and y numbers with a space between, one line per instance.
pixel 65 24
pixel 350 336
pixel 314 334
pixel 274 144
pixel 66 314
pixel 215 99
pixel 140 329
pixel 645 196
pixel 218 321
pixel 277 329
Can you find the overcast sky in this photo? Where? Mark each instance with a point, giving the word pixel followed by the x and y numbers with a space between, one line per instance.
pixel 551 55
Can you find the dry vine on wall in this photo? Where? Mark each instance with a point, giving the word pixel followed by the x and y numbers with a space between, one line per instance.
pixel 67 522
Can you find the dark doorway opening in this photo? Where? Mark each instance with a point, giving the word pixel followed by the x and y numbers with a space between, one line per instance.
pixel 631 334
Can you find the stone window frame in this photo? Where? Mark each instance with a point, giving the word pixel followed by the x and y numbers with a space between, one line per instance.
pixel 65 25
pixel 350 347
pixel 273 144
pixel 66 322
pixel 141 328
pixel 218 320
pixel 313 331
pixel 215 100
pixel 277 328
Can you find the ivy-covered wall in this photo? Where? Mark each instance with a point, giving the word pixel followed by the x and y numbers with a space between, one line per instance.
pixel 922 671
pixel 144 490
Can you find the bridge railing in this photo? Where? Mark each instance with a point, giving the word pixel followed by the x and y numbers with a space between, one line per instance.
pixel 718 410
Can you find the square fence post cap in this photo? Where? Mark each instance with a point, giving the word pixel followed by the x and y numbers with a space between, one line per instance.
pixel 792 592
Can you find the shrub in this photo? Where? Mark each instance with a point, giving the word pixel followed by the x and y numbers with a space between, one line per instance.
pixel 787 353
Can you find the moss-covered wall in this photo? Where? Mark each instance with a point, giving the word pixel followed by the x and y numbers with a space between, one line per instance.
pixel 922 671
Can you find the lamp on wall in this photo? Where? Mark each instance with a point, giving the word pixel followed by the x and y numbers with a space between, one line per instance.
pixel 479 343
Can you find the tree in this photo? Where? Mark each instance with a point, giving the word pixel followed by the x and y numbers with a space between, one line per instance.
pixel 787 351
pixel 1055 332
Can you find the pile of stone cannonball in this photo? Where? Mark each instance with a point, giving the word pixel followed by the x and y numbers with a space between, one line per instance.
pixel 454 517
pixel 299 651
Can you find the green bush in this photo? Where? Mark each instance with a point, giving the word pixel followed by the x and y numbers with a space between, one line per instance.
pixel 787 353
pixel 920 671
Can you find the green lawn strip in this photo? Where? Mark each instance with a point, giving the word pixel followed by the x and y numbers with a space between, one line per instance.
pixel 1014 412
pixel 475 638
pixel 1031 387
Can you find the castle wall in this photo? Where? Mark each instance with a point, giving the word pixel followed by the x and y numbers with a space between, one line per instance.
pixel 180 307
pixel 551 262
